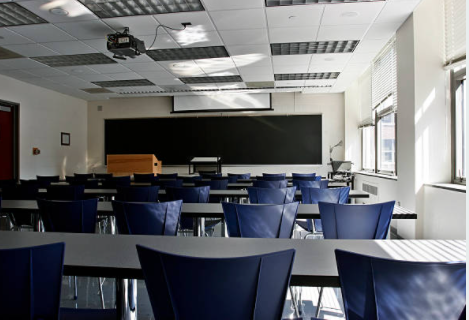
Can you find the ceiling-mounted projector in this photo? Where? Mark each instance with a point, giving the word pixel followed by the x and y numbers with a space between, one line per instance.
pixel 125 45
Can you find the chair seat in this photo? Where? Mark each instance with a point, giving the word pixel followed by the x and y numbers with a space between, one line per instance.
pixel 303 224
pixel 88 314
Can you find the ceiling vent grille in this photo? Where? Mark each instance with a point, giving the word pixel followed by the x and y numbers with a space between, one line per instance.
pixel 315 47
pixel 75 60
pixel 124 83
pixel 188 53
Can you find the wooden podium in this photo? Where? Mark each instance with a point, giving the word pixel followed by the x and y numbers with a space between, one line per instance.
pixel 128 164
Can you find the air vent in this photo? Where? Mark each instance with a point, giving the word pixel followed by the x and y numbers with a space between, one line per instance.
pixel 276 3
pixel 260 84
pixel 315 47
pixel 122 8
pixel 188 53
pixel 306 76
pixel 371 189
pixel 97 90
pixel 124 83
pixel 220 79
pixel 12 14
pixel 7 54
pixel 75 60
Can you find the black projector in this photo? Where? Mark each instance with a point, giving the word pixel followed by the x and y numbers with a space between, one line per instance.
pixel 125 45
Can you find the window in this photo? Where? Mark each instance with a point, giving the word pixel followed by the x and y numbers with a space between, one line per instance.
pixel 386 128
pixel 368 148
pixel 459 125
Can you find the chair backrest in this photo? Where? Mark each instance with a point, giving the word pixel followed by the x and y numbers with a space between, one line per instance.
pixel 24 191
pixel 83 176
pixel 376 288
pixel 272 177
pixel 138 194
pixel 271 196
pixel 147 218
pixel 70 179
pixel 303 176
pixel 209 174
pixel 168 176
pixel 69 216
pixel 48 178
pixel 144 177
pixel 31 281
pixel 217 184
pixel 317 178
pixel 233 177
pixel 270 184
pixel 357 221
pixel 306 183
pixel 163 184
pixel 115 182
pixel 182 287
pixel 89 184
pixel 260 220
pixel 188 195
pixel 333 195
pixel 66 192
pixel 190 179
pixel 104 176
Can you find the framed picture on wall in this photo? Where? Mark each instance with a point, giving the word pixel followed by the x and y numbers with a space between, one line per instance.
pixel 65 139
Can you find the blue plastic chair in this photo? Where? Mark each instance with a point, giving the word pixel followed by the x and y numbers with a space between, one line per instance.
pixel 304 176
pixel 103 176
pixel 306 183
pixel 70 193
pixel 316 195
pixel 357 221
pixel 167 176
pixel 164 184
pixel 188 195
pixel 260 220
pixel 233 178
pixel 376 288
pixel 27 190
pixel 270 184
pixel 70 179
pixel 48 179
pixel 147 218
pixel 31 282
pixel 271 196
pixel 210 174
pixel 83 176
pixel 272 176
pixel 115 182
pixel 89 184
pixel 190 179
pixel 252 287
pixel 218 184
pixel 138 194
pixel 69 216
pixel 144 177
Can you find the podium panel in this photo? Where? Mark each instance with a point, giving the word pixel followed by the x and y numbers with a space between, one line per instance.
pixel 128 164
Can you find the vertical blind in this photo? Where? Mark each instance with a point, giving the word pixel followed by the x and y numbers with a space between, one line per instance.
pixel 384 79
pixel 455 30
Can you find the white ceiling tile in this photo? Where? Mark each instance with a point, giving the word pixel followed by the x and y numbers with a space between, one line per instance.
pixel 220 72
pixel 125 76
pixel 31 50
pixel 144 66
pixel 290 83
pixel 77 70
pixel 17 74
pixel 199 20
pixel 239 19
pixel 71 81
pixel 261 49
pixel 143 58
pixel 362 58
pixel 253 71
pixel 315 90
pixel 10 37
pixel 212 5
pixel 193 37
pixel 382 31
pixel 370 46
pixel 301 68
pixel 70 47
pixel 294 16
pixel 37 81
pixel 320 82
pixel 76 11
pixel 93 77
pixel 337 14
pixel 46 72
pixel 326 67
pixel 161 78
pixel 202 86
pixel 216 63
pixel 245 37
pixel 304 34
pixel 42 33
pixel 331 58
pixel 258 77
pixel 86 29
pixel 342 32
pixel 145 25
pixel 298 59
pixel 396 12
pixel 252 60
pixel 183 68
pixel 109 68
pixel 162 41
pixel 232 85
pixel 22 63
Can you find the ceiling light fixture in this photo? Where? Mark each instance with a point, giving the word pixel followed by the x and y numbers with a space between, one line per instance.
pixel 12 14
pixel 59 11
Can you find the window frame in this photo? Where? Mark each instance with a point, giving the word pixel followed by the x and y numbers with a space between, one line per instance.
pixel 455 79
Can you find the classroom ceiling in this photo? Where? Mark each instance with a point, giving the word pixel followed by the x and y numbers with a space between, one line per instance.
pixel 313 46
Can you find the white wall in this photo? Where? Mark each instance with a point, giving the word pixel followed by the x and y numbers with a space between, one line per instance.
pixel 44 114
pixel 331 106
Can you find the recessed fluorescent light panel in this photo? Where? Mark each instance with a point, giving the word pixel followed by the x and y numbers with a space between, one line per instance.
pixel 12 14
pixel 75 60
pixel 306 76
pixel 276 3
pixel 124 83
pixel 188 53
pixel 122 8
pixel 314 47
pixel 220 79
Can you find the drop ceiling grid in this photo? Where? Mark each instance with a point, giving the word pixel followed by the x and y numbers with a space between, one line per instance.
pixel 15 38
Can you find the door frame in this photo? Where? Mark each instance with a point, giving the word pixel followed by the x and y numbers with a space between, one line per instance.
pixel 15 107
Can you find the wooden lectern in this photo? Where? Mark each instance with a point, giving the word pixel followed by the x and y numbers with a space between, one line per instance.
pixel 128 164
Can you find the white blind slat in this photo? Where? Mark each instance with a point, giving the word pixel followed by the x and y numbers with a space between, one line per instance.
pixel 384 78
pixel 455 30
pixel 364 84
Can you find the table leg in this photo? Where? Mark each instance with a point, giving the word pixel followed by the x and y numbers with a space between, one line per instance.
pixel 202 227
pixel 223 228
pixel 126 299
pixel 196 227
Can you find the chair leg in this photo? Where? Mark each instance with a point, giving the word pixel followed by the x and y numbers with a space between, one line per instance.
pixel 319 302
pixel 294 302
pixel 101 295
pixel 75 288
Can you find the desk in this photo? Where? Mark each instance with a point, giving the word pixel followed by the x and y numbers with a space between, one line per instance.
pixel 204 162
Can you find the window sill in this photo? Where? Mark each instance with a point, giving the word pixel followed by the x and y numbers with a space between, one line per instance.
pixel 376 175
pixel 448 186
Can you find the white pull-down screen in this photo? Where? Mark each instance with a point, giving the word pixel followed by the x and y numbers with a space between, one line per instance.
pixel 222 102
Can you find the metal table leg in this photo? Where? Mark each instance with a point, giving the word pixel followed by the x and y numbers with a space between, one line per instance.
pixel 202 227
pixel 196 227
pixel 126 299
